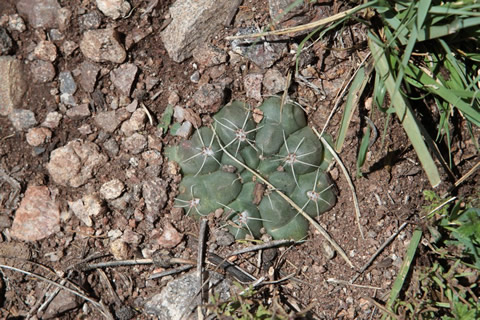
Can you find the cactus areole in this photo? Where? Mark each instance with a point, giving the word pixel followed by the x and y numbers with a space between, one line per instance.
pixel 281 148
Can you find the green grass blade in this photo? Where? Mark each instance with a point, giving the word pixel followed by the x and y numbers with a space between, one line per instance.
pixel 423 10
pixel 362 151
pixel 470 111
pixel 405 114
pixel 402 274
pixel 356 89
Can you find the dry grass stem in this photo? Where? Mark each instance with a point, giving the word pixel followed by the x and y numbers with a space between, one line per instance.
pixel 103 309
pixel 296 29
pixel 349 180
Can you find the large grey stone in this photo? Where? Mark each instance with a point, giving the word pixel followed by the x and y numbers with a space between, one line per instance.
pixel 177 299
pixel 12 84
pixel 194 21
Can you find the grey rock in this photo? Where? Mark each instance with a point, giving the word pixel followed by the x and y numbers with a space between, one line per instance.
pixel 22 119
pixel 88 75
pixel 132 106
pixel 195 77
pixel 107 121
pixel 64 301
pixel 209 55
pixel 273 82
pixel 68 47
pixel 185 130
pixel 42 71
pixel 56 35
pixel 91 20
pixel 6 43
pixel 193 22
pixel 111 146
pixel 12 85
pixel 135 144
pixel 16 23
pixel 67 83
pixel 179 114
pixel 40 13
pixel 262 53
pixel 123 77
pixel 209 96
pixel 121 203
pixel 224 238
pixel 68 99
pixel 114 8
pixel 136 35
pixel 253 85
pixel 103 45
pixel 79 112
pixel 75 163
pixel 177 299
pixel 154 192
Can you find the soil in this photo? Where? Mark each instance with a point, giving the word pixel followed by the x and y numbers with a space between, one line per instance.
pixel 389 193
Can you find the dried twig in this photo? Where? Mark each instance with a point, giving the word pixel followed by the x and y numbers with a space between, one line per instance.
pixel 377 253
pixel 99 305
pixel 300 28
pixel 202 276
pixel 344 282
pixel 170 272
pixel 347 176
pixel 267 245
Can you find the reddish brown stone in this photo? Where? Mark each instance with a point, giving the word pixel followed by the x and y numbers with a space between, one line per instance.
pixel 38 215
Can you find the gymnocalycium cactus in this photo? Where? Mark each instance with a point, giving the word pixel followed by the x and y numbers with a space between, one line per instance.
pixel 282 148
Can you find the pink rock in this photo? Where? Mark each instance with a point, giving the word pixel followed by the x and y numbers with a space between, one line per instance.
pixel 114 8
pixel 46 50
pixel 123 77
pixel 52 120
pixel 40 13
pixel 12 85
pixel 38 136
pixel 253 85
pixel 42 71
pixel 103 45
pixel 38 215
pixel 89 205
pixel 75 163
pixel 170 237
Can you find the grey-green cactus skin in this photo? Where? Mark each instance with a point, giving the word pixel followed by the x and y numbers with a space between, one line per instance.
pixel 281 148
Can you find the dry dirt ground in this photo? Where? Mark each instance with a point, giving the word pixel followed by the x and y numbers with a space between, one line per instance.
pixel 389 194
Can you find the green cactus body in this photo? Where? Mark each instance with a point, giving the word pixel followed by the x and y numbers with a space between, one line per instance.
pixel 281 148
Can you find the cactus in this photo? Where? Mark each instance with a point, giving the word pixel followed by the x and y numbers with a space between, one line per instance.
pixel 282 148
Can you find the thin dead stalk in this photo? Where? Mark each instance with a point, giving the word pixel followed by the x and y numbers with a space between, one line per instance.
pixel 347 176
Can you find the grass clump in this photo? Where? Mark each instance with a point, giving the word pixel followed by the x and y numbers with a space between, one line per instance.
pixel 444 281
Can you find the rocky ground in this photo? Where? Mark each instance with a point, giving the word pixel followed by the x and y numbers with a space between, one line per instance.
pixel 87 90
